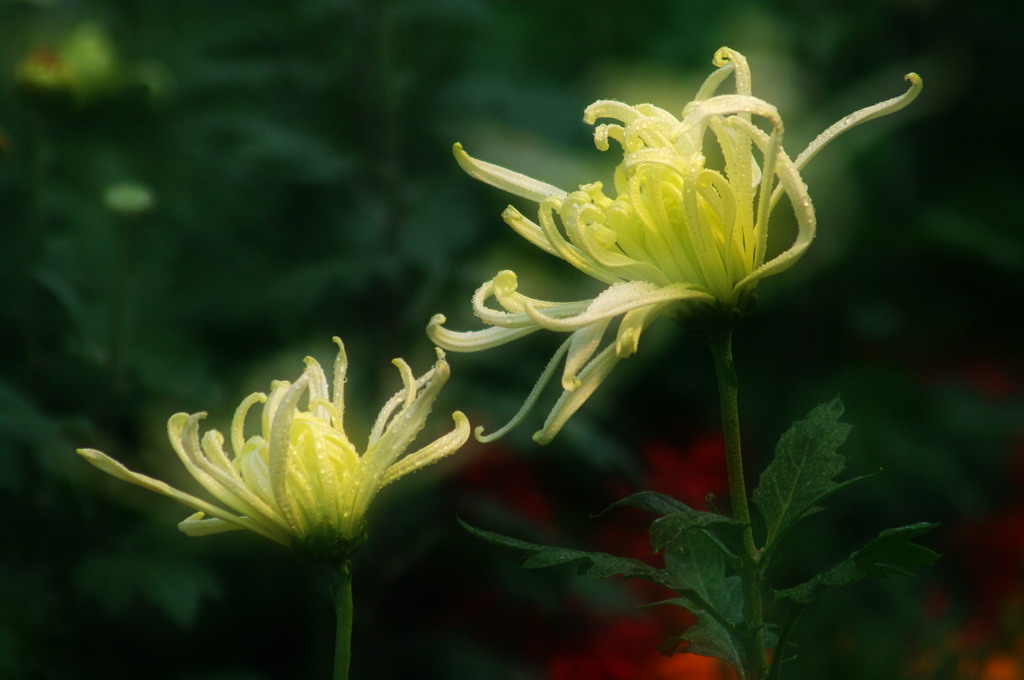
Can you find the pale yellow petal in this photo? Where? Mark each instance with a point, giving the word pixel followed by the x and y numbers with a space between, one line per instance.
pixel 473 341
pixel 432 452
pixel 862 116
pixel 114 468
pixel 504 179
pixel 531 398
pixel 570 402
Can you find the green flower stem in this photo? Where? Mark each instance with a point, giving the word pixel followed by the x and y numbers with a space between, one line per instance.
pixel 342 596
pixel 750 564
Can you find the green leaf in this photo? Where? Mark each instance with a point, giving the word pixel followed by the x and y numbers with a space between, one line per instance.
pixel 649 500
pixel 674 528
pixel 801 474
pixel 708 637
pixel 697 567
pixel 596 564
pixel 891 552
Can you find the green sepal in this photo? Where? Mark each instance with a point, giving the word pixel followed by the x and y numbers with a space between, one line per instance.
pixel 323 545
pixel 595 564
pixel 891 552
pixel 803 471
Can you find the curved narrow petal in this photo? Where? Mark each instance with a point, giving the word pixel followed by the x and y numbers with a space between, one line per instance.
pixel 583 345
pixel 504 179
pixel 408 380
pixel 609 108
pixel 233 490
pixel 224 484
pixel 791 183
pixel 862 116
pixel 195 525
pixel 726 57
pixel 504 288
pixel 473 341
pixel 319 392
pixel 407 423
pixel 714 81
pixel 255 470
pixel 531 398
pixel 404 397
pixel 764 193
pixel 632 326
pixel 570 402
pixel 528 229
pixel 711 265
pixel 606 131
pixel 115 469
pixel 278 446
pixel 565 250
pixel 731 104
pixel 212 445
pixel 586 225
pixel 432 452
pixel 278 388
pixel 238 421
pixel 618 299
pixel 338 399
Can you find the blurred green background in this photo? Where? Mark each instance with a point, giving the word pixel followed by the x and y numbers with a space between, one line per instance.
pixel 196 195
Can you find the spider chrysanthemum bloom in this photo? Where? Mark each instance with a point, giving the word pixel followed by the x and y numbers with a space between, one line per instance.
pixel 673 234
pixel 300 481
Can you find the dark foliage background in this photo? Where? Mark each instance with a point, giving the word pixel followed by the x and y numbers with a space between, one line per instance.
pixel 296 162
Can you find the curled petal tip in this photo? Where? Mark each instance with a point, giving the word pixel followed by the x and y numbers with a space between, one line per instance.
pixel 913 79
pixel 182 417
pixel 460 434
pixel 542 437
pixel 437 320
pixel 441 368
pixel 506 281
pixel 478 434
pixel 570 383
pixel 627 344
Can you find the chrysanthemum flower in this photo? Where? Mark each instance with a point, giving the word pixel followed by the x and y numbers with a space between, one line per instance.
pixel 300 481
pixel 674 235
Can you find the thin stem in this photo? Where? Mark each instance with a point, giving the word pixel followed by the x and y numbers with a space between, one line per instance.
pixel 341 593
pixel 750 566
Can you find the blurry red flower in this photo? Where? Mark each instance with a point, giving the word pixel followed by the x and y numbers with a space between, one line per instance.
pixel 626 649
pixel 509 480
